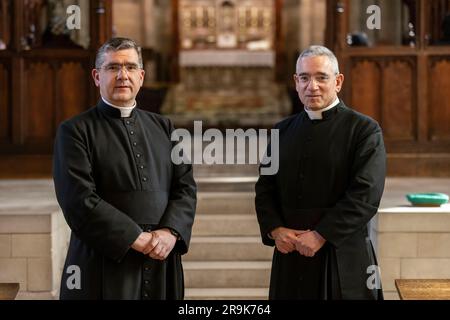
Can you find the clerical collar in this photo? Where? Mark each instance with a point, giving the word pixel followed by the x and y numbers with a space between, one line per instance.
pixel 317 114
pixel 125 112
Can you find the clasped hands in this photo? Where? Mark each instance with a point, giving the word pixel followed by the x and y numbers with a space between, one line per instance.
pixel 156 244
pixel 306 242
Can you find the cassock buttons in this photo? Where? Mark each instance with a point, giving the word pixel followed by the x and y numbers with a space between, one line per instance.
pixel 144 179
pixel 131 132
pixel 146 282
pixel 127 122
pixel 134 143
pixel 146 295
pixel 138 155
pixel 141 166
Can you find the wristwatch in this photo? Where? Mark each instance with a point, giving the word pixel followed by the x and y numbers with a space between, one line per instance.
pixel 176 234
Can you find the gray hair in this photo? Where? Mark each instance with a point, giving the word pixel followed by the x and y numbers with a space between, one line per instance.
pixel 116 44
pixel 315 51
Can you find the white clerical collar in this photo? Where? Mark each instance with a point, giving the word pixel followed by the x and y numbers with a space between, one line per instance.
pixel 125 112
pixel 317 114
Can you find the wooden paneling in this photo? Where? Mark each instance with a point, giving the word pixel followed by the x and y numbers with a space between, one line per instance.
pixel 406 88
pixel 55 92
pixel 100 22
pixel 398 111
pixel 418 164
pixel 439 101
pixel 384 89
pixel 71 99
pixel 20 166
pixel 42 85
pixel 5 103
pixel 365 86
pixel 39 111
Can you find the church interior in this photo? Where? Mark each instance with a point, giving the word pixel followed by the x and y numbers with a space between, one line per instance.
pixel 229 64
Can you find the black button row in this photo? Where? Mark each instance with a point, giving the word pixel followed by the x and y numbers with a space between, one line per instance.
pixel 138 155
pixel 146 279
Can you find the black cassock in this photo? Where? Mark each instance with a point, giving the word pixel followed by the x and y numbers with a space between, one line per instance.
pixel 113 179
pixel 330 179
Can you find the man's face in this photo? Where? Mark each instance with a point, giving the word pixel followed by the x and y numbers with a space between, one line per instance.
pixel 316 83
pixel 119 77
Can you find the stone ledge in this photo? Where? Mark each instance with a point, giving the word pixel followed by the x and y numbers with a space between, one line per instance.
pixel 408 219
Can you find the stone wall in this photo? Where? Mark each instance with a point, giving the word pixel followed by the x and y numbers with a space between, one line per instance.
pixel 413 243
pixel 32 252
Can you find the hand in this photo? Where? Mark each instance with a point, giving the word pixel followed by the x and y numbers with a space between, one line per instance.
pixel 142 241
pixel 285 238
pixel 161 244
pixel 309 243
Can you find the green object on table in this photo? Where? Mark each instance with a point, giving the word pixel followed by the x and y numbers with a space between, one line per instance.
pixel 427 199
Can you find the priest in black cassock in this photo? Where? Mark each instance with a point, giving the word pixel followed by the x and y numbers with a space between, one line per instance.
pixel 317 207
pixel 129 207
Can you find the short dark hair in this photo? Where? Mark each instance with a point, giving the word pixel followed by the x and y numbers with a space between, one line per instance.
pixel 116 44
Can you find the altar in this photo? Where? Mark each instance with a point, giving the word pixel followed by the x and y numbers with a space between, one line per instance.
pixel 227 60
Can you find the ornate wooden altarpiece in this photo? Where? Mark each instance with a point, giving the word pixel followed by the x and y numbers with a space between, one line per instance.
pixel 227 53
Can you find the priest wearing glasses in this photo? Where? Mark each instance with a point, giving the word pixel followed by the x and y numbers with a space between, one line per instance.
pixel 315 210
pixel 129 207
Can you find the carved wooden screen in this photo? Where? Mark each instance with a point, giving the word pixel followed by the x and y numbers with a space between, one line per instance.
pixel 399 75
pixel 44 76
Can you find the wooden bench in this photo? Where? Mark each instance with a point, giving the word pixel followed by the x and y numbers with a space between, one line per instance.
pixel 8 291
pixel 423 289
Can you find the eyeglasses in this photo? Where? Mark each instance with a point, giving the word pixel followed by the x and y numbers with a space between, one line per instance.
pixel 304 78
pixel 115 67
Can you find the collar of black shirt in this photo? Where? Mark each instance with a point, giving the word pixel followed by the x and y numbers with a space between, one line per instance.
pixel 113 112
pixel 326 115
